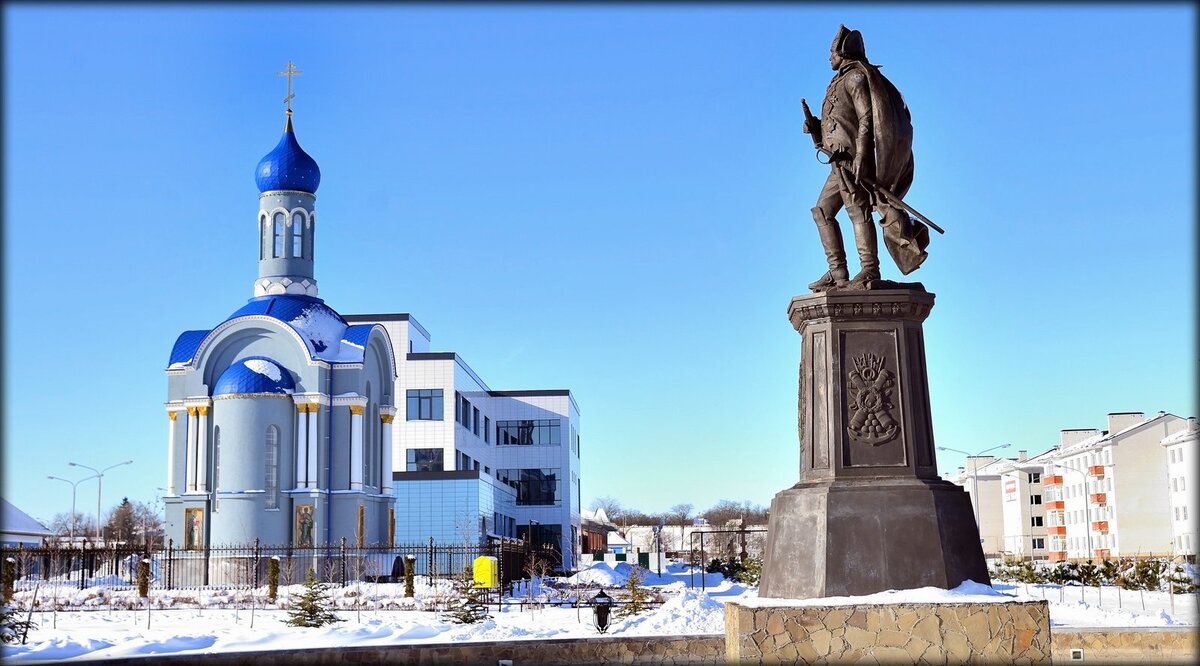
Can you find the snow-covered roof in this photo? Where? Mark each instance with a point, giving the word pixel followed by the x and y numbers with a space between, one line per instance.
pixel 16 521
pixel 326 334
pixel 1190 433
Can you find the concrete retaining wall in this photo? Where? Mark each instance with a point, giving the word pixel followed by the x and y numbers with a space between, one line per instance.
pixel 889 633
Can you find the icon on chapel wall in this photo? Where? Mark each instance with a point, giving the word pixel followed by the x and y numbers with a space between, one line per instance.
pixel 193 531
pixel 304 524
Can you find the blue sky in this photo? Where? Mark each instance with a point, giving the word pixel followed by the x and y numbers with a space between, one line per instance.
pixel 608 198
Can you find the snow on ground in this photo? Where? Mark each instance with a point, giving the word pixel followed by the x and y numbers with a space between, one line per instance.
pixel 190 624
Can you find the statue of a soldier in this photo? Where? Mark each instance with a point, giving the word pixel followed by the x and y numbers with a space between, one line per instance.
pixel 866 132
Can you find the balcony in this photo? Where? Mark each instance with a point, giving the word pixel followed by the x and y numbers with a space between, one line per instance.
pixel 1057 555
pixel 1057 530
pixel 1098 498
pixel 1102 552
pixel 1100 526
pixel 1052 480
pixel 1056 505
pixel 1096 471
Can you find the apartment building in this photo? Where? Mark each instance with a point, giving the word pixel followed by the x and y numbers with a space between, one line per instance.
pixel 1180 449
pixel 1121 491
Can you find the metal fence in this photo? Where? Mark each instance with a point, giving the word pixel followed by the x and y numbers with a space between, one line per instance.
pixel 245 566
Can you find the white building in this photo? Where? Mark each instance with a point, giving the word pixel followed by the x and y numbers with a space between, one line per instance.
pixel 1100 493
pixel 1022 501
pixel 473 463
pixel 980 477
pixel 1182 472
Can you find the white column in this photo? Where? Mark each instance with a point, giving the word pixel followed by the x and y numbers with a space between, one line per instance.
pixel 190 459
pixel 356 447
pixel 301 445
pixel 172 431
pixel 202 448
pixel 311 446
pixel 385 435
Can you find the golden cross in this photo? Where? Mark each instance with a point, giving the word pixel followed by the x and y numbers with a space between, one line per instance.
pixel 289 73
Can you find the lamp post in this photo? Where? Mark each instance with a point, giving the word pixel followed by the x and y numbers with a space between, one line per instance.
pixel 99 486
pixel 975 476
pixel 73 486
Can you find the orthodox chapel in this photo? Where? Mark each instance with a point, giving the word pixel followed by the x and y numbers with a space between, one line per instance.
pixel 280 416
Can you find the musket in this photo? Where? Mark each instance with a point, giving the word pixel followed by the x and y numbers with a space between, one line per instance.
pixel 891 198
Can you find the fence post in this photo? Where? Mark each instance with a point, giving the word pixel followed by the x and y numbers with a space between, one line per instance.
pixel 429 564
pixel 206 554
pixel 170 563
pixel 343 563
pixel 84 563
pixel 257 556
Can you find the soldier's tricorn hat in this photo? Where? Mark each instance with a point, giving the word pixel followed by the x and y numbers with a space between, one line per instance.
pixel 849 44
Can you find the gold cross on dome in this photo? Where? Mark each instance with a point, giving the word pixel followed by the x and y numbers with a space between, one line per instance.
pixel 289 73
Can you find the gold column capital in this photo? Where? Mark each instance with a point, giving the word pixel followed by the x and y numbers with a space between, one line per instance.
pixel 357 410
pixel 202 410
pixel 387 418
pixel 172 414
pixel 191 411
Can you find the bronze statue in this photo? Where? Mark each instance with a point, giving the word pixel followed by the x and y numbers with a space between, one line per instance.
pixel 865 130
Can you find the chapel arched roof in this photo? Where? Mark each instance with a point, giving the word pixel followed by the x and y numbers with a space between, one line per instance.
pixel 254 374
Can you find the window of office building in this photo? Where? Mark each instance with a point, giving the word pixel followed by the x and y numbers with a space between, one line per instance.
pixel 529 432
pixel 475 420
pixel 424 405
pixel 535 487
pixel 425 460
pixel 487 427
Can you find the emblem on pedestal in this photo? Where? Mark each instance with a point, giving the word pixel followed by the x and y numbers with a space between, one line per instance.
pixel 870 387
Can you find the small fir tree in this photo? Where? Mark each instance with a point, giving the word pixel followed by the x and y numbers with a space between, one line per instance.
pixel 273 578
pixel 12 627
pixel 468 605
pixel 312 608
pixel 639 600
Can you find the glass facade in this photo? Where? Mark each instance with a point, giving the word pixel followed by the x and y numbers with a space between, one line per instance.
pixel 535 487
pixel 529 432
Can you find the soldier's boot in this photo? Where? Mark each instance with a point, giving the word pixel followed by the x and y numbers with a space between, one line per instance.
pixel 835 253
pixel 868 250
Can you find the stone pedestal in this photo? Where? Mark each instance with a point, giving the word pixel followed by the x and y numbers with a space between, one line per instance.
pixel 870 512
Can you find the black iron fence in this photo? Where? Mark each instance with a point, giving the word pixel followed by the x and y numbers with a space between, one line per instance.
pixel 245 566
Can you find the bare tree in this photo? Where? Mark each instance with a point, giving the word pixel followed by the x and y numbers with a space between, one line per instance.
pixel 612 507
pixel 681 515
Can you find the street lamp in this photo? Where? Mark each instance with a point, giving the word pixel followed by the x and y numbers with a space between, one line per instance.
pixel 975 477
pixel 99 487
pixel 73 485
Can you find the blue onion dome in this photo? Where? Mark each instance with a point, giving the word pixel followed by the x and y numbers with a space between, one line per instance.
pixel 287 166
pixel 254 374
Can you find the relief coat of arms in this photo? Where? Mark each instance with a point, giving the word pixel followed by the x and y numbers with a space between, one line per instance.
pixel 870 387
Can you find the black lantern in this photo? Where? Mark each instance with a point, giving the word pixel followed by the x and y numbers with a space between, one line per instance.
pixel 601 607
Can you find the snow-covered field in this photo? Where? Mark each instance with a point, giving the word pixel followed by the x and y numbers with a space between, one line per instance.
pixel 378 614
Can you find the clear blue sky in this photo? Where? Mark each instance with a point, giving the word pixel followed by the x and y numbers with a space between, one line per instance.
pixel 608 198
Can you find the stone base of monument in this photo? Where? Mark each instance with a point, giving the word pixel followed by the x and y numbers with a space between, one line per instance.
pixel 767 631
pixel 859 536
pixel 870 512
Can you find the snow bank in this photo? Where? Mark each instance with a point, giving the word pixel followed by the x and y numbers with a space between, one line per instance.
pixel 689 612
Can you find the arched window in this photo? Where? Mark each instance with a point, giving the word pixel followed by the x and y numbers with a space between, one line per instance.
pixel 297 235
pixel 262 237
pixel 271 467
pixel 278 232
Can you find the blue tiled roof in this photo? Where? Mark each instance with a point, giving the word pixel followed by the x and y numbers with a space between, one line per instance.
pixel 185 346
pixel 358 334
pixel 287 166
pixel 254 374
pixel 323 330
